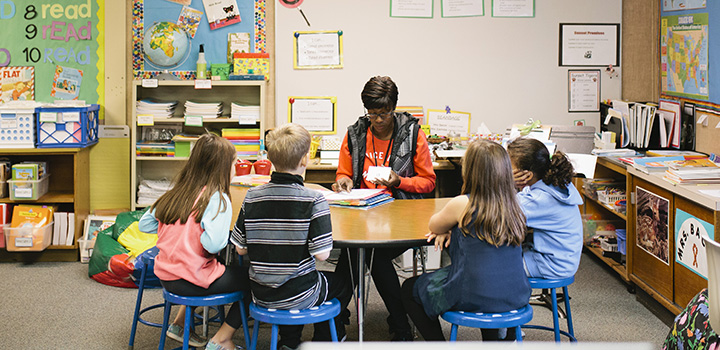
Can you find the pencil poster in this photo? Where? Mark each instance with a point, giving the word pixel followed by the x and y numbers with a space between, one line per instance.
pixel 689 244
pixel 653 224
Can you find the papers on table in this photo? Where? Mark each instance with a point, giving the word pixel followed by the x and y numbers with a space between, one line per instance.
pixel 362 198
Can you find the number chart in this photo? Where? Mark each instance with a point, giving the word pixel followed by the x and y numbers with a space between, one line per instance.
pixel 55 36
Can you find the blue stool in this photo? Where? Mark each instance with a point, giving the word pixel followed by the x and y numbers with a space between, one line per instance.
pixel 148 261
pixel 552 284
pixel 190 302
pixel 510 319
pixel 325 312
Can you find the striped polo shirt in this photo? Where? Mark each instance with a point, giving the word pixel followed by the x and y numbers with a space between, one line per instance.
pixel 282 225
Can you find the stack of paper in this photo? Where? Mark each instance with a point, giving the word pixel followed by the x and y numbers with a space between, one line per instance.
pixel 205 110
pixel 245 114
pixel 358 198
pixel 156 108
pixel 693 171
pixel 150 190
pixel 246 141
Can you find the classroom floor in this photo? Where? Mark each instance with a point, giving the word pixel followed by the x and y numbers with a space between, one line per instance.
pixel 56 305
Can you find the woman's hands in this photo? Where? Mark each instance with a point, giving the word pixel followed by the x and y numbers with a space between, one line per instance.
pixel 343 184
pixel 442 240
pixel 392 181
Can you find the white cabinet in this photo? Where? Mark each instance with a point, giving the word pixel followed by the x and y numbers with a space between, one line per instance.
pixel 225 91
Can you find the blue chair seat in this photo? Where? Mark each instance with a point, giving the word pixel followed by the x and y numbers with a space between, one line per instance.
pixel 552 284
pixel 190 302
pixel 325 312
pixel 510 319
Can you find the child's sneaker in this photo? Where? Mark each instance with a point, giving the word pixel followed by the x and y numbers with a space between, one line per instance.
pixel 175 332
pixel 211 345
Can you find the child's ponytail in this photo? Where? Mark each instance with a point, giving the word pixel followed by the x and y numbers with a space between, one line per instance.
pixel 560 172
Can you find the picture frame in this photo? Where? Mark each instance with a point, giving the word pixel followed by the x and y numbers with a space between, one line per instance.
pixel 583 90
pixel 96 223
pixel 589 44
pixel 318 49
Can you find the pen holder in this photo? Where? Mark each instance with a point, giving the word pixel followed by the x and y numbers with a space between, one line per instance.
pixel 243 167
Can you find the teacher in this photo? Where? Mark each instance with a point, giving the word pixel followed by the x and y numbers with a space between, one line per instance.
pixel 387 139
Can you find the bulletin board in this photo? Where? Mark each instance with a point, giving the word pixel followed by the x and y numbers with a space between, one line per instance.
pixel 147 12
pixel 46 35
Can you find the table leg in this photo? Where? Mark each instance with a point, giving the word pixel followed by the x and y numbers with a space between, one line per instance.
pixel 361 293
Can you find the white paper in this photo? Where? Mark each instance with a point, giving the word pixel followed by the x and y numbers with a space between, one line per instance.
pixel 356 193
pixel 318 49
pixel 513 8
pixel 411 8
pixel 711 193
pixel 149 83
pixel 584 91
pixel 315 114
pixel 589 45
pixel 462 8
pixel 583 163
pixel 377 172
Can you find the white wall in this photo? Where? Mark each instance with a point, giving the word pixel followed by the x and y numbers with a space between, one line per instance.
pixel 502 70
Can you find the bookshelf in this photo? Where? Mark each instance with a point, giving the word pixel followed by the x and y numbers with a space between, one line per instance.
pixel 225 91
pixel 68 189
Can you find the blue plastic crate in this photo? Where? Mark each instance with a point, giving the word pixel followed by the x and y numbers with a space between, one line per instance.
pixel 67 127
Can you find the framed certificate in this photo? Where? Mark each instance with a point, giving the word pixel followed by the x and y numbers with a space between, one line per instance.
pixel 589 44
pixel 584 90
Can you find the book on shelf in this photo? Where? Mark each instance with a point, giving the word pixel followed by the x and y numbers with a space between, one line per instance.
pixel 694 164
pixel 70 232
pixel 654 164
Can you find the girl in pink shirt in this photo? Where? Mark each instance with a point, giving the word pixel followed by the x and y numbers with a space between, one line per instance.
pixel 192 221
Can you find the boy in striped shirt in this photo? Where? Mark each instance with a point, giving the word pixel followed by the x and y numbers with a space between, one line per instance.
pixel 284 227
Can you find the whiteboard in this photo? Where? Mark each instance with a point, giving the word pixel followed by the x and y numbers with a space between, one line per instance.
pixel 501 70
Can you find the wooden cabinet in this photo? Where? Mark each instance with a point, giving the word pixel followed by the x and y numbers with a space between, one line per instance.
pixel 613 169
pixel 655 266
pixel 225 91
pixel 68 189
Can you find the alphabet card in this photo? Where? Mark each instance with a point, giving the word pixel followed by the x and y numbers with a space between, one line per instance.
pixel 66 84
pixel 17 83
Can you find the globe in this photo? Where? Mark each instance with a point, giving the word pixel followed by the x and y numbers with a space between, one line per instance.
pixel 165 44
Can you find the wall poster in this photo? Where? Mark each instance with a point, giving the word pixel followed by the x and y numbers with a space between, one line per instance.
pixel 652 229
pixel 589 44
pixel 689 245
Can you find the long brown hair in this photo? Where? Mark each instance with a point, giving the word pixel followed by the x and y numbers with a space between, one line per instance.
pixel 488 181
pixel 209 167
pixel 531 154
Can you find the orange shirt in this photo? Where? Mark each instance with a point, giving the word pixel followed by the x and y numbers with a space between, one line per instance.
pixel 423 182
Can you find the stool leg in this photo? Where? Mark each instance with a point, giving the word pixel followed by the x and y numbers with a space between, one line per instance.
pixel 556 325
pixel 453 332
pixel 567 312
pixel 186 329
pixel 254 339
pixel 138 302
pixel 243 316
pixel 518 334
pixel 333 331
pixel 166 319
pixel 206 313
pixel 274 337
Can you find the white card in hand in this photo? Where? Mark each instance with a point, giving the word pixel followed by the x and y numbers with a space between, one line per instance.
pixel 378 172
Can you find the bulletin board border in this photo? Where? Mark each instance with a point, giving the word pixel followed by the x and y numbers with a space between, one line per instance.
pixel 138 10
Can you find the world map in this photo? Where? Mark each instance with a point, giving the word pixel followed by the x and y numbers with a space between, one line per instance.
pixel 684 55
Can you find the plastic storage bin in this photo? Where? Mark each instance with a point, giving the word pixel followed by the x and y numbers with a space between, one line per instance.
pixel 17 127
pixel 86 249
pixel 592 186
pixel 27 239
pixel 28 189
pixel 608 197
pixel 620 233
pixel 67 127
pixel 593 227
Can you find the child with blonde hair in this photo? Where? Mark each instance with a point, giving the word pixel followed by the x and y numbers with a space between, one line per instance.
pixel 483 230
pixel 192 221
pixel 284 227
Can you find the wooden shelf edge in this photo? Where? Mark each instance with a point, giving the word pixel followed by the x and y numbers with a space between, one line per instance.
pixel 617 267
pixel 50 197
pixel 667 303
pixel 610 209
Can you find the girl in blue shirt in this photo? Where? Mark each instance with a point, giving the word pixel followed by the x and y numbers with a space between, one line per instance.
pixel 483 230
pixel 550 203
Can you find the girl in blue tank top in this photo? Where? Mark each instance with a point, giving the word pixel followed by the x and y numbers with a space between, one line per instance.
pixel 482 230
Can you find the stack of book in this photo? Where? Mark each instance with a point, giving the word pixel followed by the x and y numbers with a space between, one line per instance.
pixel 650 165
pixel 245 114
pixel 154 149
pixel 205 110
pixel 246 141
pixel 693 171
pixel 157 109
pixel 359 198
pixel 415 111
